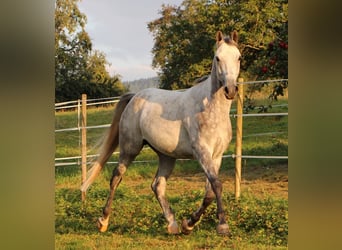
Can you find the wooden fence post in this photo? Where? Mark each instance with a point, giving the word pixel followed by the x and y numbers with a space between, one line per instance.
pixel 238 147
pixel 84 142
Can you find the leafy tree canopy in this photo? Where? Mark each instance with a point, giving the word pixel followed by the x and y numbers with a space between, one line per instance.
pixel 184 38
pixel 78 68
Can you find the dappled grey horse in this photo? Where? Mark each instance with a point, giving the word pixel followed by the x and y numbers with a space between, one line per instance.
pixel 191 124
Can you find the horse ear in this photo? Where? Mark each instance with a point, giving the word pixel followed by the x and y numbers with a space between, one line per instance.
pixel 235 36
pixel 219 36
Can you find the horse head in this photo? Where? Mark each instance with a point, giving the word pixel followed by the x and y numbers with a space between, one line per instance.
pixel 227 63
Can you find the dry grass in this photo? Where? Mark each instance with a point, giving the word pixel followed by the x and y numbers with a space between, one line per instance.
pixel 257 180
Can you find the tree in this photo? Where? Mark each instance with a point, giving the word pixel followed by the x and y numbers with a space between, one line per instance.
pixel 184 38
pixel 110 85
pixel 182 45
pixel 78 68
pixel 72 43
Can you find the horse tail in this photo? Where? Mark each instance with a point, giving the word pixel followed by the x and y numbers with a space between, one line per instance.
pixel 111 142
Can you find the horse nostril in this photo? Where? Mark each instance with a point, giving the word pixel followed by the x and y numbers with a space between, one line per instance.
pixel 229 94
pixel 236 88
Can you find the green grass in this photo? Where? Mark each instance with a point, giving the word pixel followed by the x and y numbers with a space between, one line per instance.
pixel 259 220
pixel 137 223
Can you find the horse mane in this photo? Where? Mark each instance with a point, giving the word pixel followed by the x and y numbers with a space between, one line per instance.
pixel 230 41
pixel 201 79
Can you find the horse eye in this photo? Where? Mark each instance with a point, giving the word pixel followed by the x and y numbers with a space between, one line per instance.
pixel 217 59
pixel 240 58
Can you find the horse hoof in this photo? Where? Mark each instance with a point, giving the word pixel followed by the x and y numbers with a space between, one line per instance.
pixel 185 227
pixel 102 224
pixel 173 228
pixel 223 229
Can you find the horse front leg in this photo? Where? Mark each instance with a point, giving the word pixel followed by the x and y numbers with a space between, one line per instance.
pixel 222 227
pixel 213 190
pixel 188 225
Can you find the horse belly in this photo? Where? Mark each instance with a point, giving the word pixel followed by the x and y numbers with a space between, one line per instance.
pixel 167 137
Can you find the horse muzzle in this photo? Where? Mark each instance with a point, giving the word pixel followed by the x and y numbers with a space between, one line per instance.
pixel 230 92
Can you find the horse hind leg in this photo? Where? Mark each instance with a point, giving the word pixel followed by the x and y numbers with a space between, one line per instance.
pixel 102 222
pixel 166 165
pixel 118 172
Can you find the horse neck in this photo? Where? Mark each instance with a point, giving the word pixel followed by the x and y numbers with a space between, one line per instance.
pixel 215 84
pixel 217 94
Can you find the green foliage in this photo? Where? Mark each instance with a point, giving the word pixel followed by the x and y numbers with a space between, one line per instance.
pixel 184 38
pixel 78 68
pixel 74 90
pixel 72 43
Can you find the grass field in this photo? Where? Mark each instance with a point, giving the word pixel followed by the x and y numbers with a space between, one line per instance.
pixel 259 220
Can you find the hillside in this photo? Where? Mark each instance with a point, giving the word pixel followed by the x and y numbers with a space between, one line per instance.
pixel 144 83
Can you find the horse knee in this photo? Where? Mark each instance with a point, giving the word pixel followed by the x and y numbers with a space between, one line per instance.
pixel 208 200
pixel 209 192
pixel 121 169
pixel 118 171
pixel 216 185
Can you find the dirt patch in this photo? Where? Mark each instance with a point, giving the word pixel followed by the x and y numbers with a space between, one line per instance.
pixel 258 181
pixel 262 181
